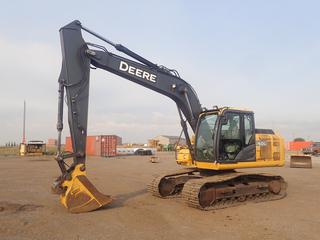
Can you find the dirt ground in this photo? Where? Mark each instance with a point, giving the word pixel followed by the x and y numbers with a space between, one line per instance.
pixel 28 210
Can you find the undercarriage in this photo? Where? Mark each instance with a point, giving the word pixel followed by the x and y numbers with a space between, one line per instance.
pixel 210 190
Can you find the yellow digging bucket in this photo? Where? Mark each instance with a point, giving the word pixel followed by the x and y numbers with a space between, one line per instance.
pixel 80 195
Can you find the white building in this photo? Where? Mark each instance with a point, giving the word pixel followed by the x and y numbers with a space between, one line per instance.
pixel 165 140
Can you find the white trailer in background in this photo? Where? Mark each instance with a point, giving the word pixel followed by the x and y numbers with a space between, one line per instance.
pixel 136 151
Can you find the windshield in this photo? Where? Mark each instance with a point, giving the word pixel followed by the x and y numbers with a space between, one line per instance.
pixel 204 141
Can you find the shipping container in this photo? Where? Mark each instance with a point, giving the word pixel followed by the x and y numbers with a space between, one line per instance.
pixel 299 146
pixel 101 145
pixel 68 145
pixel 52 142
pixel 108 145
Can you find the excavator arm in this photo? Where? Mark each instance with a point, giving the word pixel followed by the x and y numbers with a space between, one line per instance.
pixel 78 56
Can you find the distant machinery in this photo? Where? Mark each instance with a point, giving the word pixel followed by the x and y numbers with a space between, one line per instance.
pixel 33 148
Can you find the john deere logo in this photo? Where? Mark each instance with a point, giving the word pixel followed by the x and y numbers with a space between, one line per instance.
pixel 125 67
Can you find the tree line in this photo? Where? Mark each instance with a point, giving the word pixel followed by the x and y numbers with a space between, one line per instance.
pixel 10 144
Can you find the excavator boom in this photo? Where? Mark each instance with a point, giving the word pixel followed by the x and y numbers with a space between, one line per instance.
pixel 77 193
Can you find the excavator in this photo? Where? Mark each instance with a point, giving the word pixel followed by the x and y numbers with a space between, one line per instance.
pixel 224 139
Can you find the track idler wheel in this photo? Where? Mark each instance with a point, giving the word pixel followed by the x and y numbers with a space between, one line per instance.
pixel 80 194
pixel 166 187
pixel 274 186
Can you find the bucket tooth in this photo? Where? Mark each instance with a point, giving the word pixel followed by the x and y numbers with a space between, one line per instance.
pixel 81 195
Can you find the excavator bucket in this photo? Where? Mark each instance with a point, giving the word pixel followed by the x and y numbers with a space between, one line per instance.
pixel 300 161
pixel 81 195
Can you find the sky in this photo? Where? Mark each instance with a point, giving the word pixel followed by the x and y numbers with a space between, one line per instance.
pixel 259 55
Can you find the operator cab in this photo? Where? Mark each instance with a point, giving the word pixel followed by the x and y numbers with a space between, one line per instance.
pixel 225 136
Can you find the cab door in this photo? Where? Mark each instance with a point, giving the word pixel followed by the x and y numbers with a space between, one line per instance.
pixel 236 138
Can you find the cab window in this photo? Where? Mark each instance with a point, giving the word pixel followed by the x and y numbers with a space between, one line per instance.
pixel 248 129
pixel 230 138
pixel 231 130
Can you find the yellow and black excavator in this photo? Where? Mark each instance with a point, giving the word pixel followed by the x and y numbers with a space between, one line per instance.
pixel 225 138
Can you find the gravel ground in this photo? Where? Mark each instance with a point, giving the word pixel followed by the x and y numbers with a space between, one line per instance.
pixel 28 210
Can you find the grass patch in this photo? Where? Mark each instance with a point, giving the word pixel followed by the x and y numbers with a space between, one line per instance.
pixel 14 151
pixel 7 151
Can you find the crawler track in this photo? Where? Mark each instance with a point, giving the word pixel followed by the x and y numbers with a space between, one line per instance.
pixel 227 190
pixel 216 190
pixel 171 184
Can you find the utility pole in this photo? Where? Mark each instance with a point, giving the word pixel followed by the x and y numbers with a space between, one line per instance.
pixel 23 145
pixel 24 123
